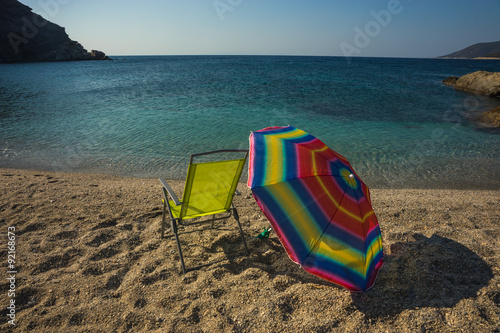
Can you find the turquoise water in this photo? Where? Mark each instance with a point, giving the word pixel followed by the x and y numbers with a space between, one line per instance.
pixel 143 116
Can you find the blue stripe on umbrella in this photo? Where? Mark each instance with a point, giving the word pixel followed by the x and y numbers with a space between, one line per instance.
pixel 259 162
pixel 281 218
pixel 334 233
pixel 290 156
pixel 331 267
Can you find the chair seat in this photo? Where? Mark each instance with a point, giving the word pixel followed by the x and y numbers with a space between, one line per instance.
pixel 193 211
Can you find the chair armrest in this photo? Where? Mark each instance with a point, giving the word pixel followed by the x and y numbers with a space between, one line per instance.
pixel 170 191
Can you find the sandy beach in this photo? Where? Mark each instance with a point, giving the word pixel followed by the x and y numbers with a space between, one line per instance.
pixel 89 258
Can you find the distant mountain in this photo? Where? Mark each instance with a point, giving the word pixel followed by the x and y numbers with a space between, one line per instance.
pixel 479 50
pixel 26 36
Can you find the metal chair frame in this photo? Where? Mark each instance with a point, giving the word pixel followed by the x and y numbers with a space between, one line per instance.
pixel 176 222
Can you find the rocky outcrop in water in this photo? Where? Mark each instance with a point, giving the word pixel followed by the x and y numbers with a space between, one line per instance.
pixel 28 37
pixel 492 117
pixel 451 81
pixel 480 82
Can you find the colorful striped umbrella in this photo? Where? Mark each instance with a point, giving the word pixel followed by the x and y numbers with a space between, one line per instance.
pixel 318 206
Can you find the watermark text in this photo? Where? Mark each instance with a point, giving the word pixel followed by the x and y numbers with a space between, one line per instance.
pixel 11 275
pixel 224 6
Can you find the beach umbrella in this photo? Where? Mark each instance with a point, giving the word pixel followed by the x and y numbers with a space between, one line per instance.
pixel 319 208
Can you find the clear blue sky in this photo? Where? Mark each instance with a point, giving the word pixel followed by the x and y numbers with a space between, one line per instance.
pixel 376 28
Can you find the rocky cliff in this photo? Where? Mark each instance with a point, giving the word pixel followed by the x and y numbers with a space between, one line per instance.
pixel 28 37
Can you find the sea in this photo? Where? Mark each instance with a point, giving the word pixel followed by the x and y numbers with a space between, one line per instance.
pixel 143 116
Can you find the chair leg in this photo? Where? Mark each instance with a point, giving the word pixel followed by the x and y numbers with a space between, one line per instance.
pixel 174 229
pixel 237 218
pixel 163 219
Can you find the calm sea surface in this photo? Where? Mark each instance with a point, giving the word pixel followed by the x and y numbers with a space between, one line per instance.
pixel 143 116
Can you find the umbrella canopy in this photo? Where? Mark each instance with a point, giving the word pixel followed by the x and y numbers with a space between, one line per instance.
pixel 318 206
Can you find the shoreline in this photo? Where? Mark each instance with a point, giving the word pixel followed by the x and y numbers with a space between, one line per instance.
pixel 394 186
pixel 89 258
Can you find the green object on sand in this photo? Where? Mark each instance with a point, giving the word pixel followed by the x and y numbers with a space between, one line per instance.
pixel 265 233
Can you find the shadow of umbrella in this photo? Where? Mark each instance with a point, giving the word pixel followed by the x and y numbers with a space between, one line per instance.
pixel 430 272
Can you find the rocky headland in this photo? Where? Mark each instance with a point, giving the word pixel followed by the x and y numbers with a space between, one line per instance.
pixel 28 37
pixel 481 83
pixel 489 50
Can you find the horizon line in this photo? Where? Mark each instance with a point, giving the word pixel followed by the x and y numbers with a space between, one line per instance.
pixel 262 55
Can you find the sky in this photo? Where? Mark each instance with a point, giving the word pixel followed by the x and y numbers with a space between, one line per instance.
pixel 366 28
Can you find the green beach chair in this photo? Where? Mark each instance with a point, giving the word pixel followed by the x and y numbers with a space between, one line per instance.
pixel 209 190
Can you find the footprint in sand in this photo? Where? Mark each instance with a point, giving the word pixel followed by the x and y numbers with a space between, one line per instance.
pixel 115 280
pixel 101 238
pixel 106 224
pixel 105 253
pixel 56 261
pixel 35 226
pixel 94 270
pixel 140 303
pixel 70 234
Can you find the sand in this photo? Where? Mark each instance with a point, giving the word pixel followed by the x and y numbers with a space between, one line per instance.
pixel 89 258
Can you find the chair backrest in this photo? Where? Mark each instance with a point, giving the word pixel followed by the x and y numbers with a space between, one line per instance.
pixel 210 186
